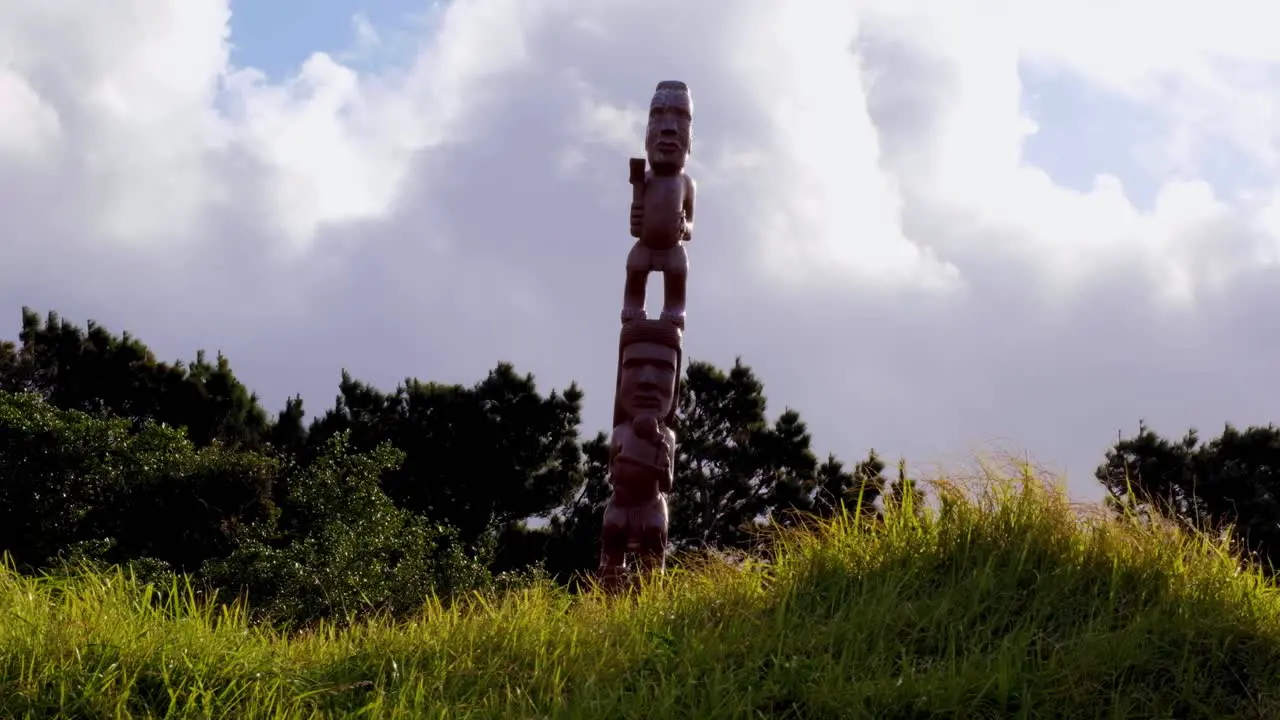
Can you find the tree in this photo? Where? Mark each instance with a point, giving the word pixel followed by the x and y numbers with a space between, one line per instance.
pixel 288 433
pixel 735 469
pixel 905 493
pixel 570 543
pixel 96 372
pixel 303 540
pixel 1149 472
pixel 476 458
pixel 855 491
pixel 1233 479
pixel 103 489
pixel 342 546
pixel 10 367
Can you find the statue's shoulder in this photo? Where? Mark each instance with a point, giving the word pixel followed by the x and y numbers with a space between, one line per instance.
pixel 669 434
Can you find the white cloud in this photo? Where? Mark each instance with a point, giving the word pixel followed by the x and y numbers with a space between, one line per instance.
pixel 870 237
pixel 31 125
pixel 367 37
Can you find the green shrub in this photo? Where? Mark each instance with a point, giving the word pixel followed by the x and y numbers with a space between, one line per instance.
pixel 344 547
pixel 80 493
pixel 74 487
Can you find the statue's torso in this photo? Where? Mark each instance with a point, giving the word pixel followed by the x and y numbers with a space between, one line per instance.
pixel 638 466
pixel 664 197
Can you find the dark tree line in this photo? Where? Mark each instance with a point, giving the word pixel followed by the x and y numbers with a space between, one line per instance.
pixel 1231 481
pixel 109 455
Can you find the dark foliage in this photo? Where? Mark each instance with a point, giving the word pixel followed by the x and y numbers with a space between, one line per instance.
pixel 476 458
pixel 75 485
pixel 108 455
pixel 1232 480
pixel 97 372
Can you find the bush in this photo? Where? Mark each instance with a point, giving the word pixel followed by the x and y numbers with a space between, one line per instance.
pixel 320 540
pixel 344 547
pixel 74 487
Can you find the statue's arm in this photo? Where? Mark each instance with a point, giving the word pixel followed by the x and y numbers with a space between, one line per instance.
pixel 690 189
pixel 667 481
pixel 615 447
pixel 637 203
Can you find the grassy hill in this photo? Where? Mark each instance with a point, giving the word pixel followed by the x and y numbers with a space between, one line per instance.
pixel 1007 603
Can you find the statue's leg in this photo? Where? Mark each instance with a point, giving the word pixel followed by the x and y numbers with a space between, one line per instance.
pixel 613 548
pixel 674 279
pixel 633 292
pixel 653 553
pixel 653 537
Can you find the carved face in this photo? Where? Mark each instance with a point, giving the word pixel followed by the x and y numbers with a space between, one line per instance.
pixel 668 137
pixel 648 382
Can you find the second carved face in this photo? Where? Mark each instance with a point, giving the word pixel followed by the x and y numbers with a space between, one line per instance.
pixel 648 380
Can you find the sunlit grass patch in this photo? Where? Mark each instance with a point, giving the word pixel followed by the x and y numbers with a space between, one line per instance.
pixel 1001 600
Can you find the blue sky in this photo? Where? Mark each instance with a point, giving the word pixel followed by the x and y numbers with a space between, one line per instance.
pixel 1085 131
pixel 276 36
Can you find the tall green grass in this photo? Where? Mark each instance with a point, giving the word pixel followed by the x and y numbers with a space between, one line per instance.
pixel 1001 603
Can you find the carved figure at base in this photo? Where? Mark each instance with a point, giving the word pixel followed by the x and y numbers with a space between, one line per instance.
pixel 642 449
pixel 662 205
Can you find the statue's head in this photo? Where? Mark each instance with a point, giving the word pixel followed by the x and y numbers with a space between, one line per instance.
pixel 649 357
pixel 668 138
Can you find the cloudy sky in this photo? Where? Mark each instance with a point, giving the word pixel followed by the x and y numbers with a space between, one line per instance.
pixel 932 227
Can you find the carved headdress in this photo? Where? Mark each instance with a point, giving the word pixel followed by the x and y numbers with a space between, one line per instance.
pixel 660 332
pixel 668 88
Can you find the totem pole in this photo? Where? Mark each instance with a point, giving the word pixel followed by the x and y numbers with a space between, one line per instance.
pixel 642 451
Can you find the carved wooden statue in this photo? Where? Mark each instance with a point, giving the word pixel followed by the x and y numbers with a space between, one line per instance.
pixel 642 452
pixel 662 205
